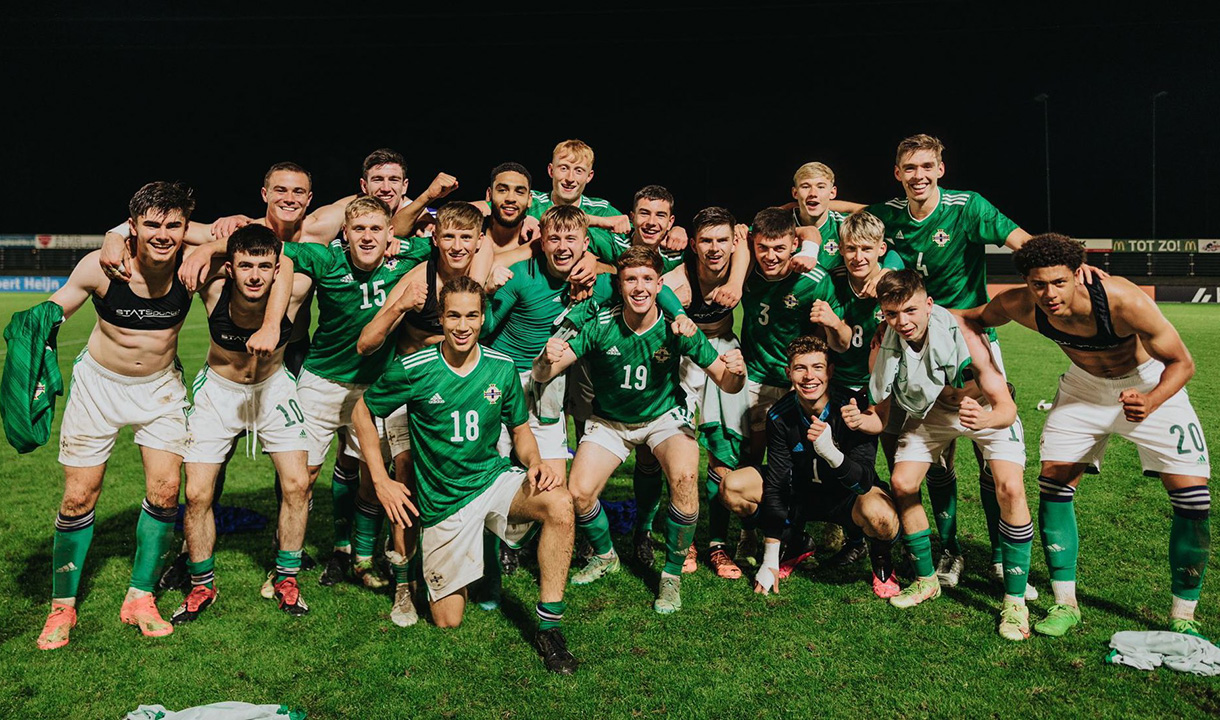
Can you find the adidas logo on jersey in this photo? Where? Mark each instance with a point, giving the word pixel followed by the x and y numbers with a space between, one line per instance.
pixel 1015 571
pixel 303 434
pixel 347 279
pixel 437 400
pixel 613 351
pixel 70 567
pixel 798 448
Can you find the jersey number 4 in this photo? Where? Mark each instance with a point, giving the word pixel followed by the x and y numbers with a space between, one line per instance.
pixel 378 297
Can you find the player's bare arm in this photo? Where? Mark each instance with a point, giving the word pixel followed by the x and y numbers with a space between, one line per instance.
pixel 556 357
pixel 393 496
pixel 991 384
pixel 86 278
pixel 409 293
pixel 1133 311
pixel 403 222
pixel 838 333
pixel 728 371
pixel 871 421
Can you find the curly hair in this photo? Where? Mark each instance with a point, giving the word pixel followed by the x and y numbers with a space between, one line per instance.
pixel 1048 250
pixel 806 344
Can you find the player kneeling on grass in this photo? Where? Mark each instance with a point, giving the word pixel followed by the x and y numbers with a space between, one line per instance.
pixel 634 357
pixel 1127 378
pixel 946 381
pixel 818 469
pixel 460 394
pixel 239 392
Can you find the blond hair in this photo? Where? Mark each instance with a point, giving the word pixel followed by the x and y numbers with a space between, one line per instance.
pixel 565 218
pixel 576 148
pixel 366 205
pixel 459 215
pixel 916 143
pixel 863 227
pixel 813 170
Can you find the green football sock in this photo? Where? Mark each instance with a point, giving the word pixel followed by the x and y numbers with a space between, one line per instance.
pixel 597 527
pixel 287 564
pixel 154 533
pixel 72 538
pixel 1189 540
pixel 1016 543
pixel 942 491
pixel 991 511
pixel 919 544
pixel 364 529
pixel 343 485
pixel 679 534
pixel 550 614
pixel 717 513
pixel 1060 537
pixel 402 572
pixel 203 572
pixel 647 482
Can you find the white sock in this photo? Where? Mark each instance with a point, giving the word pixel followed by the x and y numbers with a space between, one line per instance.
pixel 668 575
pixel 1018 599
pixel 1182 609
pixel 1065 592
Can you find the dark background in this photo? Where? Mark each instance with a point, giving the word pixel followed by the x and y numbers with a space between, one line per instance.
pixel 720 104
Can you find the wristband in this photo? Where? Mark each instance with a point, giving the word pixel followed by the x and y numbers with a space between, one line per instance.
pixel 808 249
pixel 123 230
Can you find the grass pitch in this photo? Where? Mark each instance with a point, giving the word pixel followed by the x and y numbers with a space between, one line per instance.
pixel 824 646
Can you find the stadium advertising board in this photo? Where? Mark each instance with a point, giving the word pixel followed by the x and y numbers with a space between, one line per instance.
pixel 1167 246
pixel 31 283
pixel 1188 294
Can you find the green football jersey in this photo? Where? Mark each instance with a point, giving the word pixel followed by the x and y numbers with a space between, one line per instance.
pixel 773 315
pixel 527 310
pixel 829 258
pixel 635 376
pixel 347 298
pixel 610 246
pixel 862 315
pixel 948 246
pixel 454 422
pixel 540 202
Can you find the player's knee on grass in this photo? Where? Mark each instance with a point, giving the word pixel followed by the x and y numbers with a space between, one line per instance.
pixel 448 611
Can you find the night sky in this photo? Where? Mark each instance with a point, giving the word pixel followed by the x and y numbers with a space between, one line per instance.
pixel 719 105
